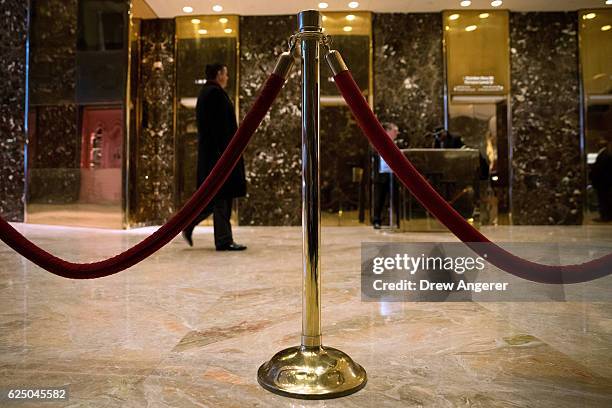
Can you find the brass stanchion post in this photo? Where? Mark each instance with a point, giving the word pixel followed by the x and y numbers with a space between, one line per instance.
pixel 311 371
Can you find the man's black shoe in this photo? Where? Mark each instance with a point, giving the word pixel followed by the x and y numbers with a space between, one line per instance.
pixel 187 237
pixel 232 247
pixel 376 225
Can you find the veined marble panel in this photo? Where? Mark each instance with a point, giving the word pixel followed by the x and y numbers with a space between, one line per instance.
pixel 53 36
pixel 13 18
pixel 272 159
pixel 409 74
pixel 547 185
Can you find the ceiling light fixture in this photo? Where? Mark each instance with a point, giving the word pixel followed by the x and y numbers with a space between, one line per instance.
pixel 471 28
pixel 223 20
pixel 187 9
pixel 348 29
pixel 353 4
pixel 608 1
pixel 589 16
pixel 217 8
pixel 350 17
pixel 228 31
pixel 453 17
pixel 202 31
pixel 483 15
pixel 465 3
pixel 607 27
pixel 496 3
pixel 195 21
pixel 323 5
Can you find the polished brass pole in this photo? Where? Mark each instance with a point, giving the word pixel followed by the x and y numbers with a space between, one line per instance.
pixel 311 371
pixel 310 27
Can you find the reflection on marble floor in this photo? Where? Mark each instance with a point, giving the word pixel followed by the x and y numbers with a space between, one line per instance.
pixel 76 214
pixel 189 327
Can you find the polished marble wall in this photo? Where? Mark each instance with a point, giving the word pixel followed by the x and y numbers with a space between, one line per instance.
pixel 153 198
pixel 13 17
pixel 53 50
pixel 408 83
pixel 409 74
pixel 272 159
pixel 53 143
pixel 547 185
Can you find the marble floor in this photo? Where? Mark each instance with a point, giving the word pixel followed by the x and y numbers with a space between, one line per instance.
pixel 189 327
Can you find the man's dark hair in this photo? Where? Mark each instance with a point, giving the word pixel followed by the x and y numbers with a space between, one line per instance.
pixel 212 70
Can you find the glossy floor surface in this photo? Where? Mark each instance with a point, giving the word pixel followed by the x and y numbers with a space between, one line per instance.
pixel 189 327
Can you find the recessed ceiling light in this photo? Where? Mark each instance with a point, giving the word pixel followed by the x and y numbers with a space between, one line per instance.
pixel 607 27
pixel 217 8
pixel 323 5
pixel 471 28
pixel 187 9
pixel 447 28
pixel 483 15
pixel 223 20
pixel 465 3
pixel 353 4
pixel 453 17
pixel 496 3
pixel 348 28
pixel 228 31
pixel 202 31
pixel 350 17
pixel 195 21
pixel 590 16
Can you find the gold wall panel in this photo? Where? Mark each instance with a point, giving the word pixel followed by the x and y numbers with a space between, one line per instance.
pixel 477 51
pixel 596 51
pixel 207 26
pixel 347 23
pixel 595 34
pixel 351 34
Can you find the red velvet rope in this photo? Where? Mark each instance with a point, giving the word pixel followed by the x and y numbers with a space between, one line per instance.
pixel 176 224
pixel 438 206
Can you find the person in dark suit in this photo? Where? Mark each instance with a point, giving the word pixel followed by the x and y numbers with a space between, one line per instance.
pixel 601 177
pixel 382 180
pixel 443 139
pixel 216 120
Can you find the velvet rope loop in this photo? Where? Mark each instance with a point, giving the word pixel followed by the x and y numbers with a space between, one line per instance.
pixel 442 210
pixel 175 225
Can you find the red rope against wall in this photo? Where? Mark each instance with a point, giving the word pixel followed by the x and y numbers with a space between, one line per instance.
pixel 175 225
pixel 442 210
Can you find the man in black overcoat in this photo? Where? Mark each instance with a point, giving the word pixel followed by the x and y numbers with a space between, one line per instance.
pixel 216 120
pixel 601 177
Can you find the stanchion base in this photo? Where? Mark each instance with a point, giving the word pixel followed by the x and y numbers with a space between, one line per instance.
pixel 311 373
